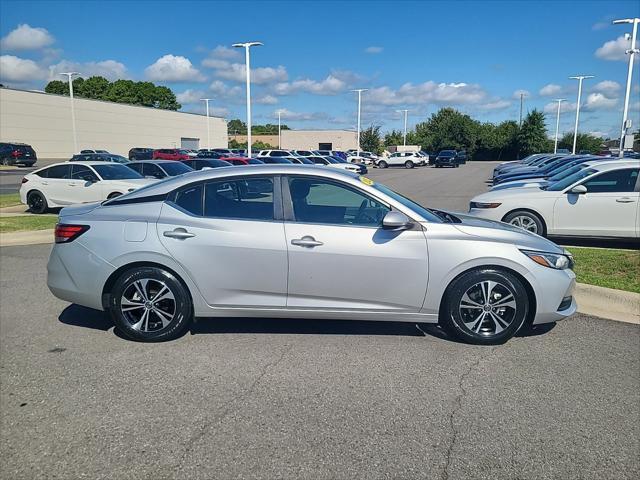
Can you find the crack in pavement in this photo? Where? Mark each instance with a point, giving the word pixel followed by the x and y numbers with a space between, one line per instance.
pixel 456 408
pixel 230 408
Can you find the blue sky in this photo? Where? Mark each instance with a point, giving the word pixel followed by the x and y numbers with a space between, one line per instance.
pixel 473 56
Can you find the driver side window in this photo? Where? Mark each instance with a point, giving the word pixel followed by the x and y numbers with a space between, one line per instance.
pixel 316 200
pixel 623 180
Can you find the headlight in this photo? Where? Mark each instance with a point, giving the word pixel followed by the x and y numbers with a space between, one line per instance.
pixel 557 261
pixel 485 205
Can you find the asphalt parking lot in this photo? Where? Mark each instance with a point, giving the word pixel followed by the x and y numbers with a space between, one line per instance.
pixel 254 398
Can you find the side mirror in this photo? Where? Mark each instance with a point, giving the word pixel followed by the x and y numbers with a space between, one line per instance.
pixel 579 190
pixel 90 179
pixel 396 221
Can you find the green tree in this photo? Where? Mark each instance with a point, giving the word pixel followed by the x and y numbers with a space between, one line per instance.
pixel 584 141
pixel 532 137
pixel 165 98
pixel 392 138
pixel 370 139
pixel 92 87
pixel 236 127
pixel 57 87
pixel 447 129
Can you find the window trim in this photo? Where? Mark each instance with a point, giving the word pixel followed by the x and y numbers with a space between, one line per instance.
pixel 287 202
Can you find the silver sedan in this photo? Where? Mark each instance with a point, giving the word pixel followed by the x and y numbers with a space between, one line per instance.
pixel 302 242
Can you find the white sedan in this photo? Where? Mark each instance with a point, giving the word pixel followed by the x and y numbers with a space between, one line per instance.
pixel 598 201
pixel 68 183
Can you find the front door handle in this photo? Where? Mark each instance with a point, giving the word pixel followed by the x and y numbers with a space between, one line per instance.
pixel 179 233
pixel 306 241
pixel 625 200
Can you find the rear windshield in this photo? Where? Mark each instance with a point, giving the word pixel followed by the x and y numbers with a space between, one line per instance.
pixel 115 171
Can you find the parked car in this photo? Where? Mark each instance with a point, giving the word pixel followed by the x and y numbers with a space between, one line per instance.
pixel 93 151
pixel 140 153
pixel 537 168
pixel 255 161
pixel 360 160
pixel 63 184
pixel 225 151
pixel 200 163
pixel 192 153
pixel 333 162
pixel 272 160
pixel 236 160
pixel 98 157
pixel 446 158
pixel 159 168
pixel 505 166
pixel 403 159
pixel 239 152
pixel 17 154
pixel 461 157
pixel 566 151
pixel 299 160
pixel 302 153
pixel 600 201
pixel 274 153
pixel 210 154
pixel 170 154
pixel 214 246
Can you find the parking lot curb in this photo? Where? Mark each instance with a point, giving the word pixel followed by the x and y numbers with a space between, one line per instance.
pixel 36 237
pixel 608 303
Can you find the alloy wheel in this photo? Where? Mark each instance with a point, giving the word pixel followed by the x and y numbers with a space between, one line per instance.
pixel 525 222
pixel 35 202
pixel 488 307
pixel 148 305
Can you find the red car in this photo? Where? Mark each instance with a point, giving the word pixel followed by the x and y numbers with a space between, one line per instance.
pixel 170 154
pixel 236 160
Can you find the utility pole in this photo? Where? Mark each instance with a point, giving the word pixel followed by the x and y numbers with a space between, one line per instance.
pixel 359 90
pixel 521 101
pixel 631 52
pixel 404 136
pixel 246 47
pixel 279 135
pixel 206 101
pixel 555 146
pixel 580 78
pixel 73 111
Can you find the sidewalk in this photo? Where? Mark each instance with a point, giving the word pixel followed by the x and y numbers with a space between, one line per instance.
pixel 35 237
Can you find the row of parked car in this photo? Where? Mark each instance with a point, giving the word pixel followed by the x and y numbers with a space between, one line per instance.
pixel 566 195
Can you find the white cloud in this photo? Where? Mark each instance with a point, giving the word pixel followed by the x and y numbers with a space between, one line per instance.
pixel 427 92
pixel 237 72
pixel 550 90
pixel 329 86
pixel 221 89
pixel 222 51
pixel 597 101
pixel 597 133
pixel 25 37
pixel 266 100
pixel 517 94
pixel 608 87
pixel 552 107
pixel 498 104
pixel 614 49
pixel 373 50
pixel 173 68
pixel 109 69
pixel 20 70
pixel 215 63
pixel 190 96
pixel 300 116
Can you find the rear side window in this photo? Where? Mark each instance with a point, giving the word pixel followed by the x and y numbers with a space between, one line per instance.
pixel 190 199
pixel 613 182
pixel 58 171
pixel 247 199
pixel 136 166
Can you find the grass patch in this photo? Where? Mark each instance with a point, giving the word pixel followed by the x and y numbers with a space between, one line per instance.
pixel 610 268
pixel 27 223
pixel 9 199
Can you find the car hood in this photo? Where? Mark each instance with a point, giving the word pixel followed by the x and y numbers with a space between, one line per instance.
pixel 505 233
pixel 506 194
pixel 526 183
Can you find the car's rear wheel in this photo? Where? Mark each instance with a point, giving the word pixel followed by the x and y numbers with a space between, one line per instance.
pixel 150 304
pixel 408 164
pixel 382 164
pixel 485 306
pixel 37 202
pixel 526 220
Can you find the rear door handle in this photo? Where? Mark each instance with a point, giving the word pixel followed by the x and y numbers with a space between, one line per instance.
pixel 625 200
pixel 179 233
pixel 306 241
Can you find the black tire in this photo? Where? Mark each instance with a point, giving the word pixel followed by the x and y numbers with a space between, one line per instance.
pixel 113 195
pixel 382 164
pixel 479 329
pixel 37 202
pixel 408 164
pixel 156 330
pixel 527 220
pixel 456 165
pixel 6 162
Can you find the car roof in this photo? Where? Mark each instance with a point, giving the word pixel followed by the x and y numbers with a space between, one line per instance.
pixel 603 165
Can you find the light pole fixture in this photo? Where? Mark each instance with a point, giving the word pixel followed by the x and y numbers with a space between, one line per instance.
pixel 247 46
pixel 359 90
pixel 279 112
pixel 631 52
pixel 555 145
pixel 580 78
pixel 73 111
pixel 404 136
pixel 206 101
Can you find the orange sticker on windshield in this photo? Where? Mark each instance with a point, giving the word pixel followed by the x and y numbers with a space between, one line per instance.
pixel 366 181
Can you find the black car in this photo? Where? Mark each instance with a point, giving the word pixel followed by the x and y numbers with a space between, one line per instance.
pixel 141 153
pixel 160 168
pixel 17 154
pixel 209 154
pixel 447 158
pixel 200 163
pixel 98 157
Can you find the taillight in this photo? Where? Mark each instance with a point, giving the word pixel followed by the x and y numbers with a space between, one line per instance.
pixel 16 153
pixel 68 233
pixel 25 179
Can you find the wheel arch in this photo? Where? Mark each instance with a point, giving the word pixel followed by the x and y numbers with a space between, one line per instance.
pixel 545 228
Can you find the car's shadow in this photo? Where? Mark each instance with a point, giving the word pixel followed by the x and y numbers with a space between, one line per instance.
pixel 78 316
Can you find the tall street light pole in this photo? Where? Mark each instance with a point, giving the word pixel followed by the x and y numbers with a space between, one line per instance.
pixel 246 47
pixel 521 101
pixel 404 136
pixel 632 52
pixel 555 145
pixel 279 124
pixel 73 111
pixel 206 101
pixel 359 90
pixel 580 78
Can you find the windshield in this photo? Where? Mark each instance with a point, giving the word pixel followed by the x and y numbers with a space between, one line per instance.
pixel 563 174
pixel 115 171
pixel 330 160
pixel 447 153
pixel 118 159
pixel 419 209
pixel 571 179
pixel 337 159
pixel 176 168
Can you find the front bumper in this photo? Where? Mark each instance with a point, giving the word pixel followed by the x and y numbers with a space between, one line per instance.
pixel 554 291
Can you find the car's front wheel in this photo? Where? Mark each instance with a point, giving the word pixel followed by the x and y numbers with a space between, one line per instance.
pixel 382 164
pixel 408 164
pixel 150 304
pixel 485 306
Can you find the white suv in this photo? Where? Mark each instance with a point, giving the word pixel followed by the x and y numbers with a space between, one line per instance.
pixel 405 159
pixel 274 153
